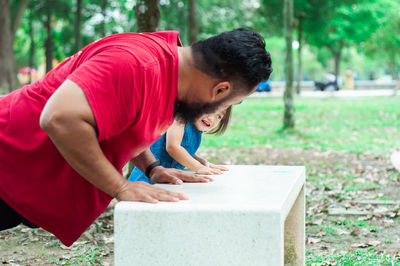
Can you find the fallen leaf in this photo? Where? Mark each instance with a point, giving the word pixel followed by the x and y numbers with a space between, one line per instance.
pixel 342 232
pixel 311 240
pixel 360 245
pixel 374 243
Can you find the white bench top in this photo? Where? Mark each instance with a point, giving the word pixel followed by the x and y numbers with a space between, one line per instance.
pixel 250 215
pixel 244 187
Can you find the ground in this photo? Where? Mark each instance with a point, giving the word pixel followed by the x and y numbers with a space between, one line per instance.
pixel 341 216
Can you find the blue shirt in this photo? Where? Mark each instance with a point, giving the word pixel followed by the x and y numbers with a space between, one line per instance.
pixel 191 142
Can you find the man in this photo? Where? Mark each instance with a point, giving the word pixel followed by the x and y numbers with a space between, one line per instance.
pixel 65 138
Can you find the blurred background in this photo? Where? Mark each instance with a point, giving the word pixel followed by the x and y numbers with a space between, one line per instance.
pixel 355 41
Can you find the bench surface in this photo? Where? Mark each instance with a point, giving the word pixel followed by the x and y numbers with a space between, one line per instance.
pixel 239 218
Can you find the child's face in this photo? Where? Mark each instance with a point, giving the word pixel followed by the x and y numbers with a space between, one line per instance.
pixel 208 121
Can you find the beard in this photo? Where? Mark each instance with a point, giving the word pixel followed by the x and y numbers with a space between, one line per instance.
pixel 189 113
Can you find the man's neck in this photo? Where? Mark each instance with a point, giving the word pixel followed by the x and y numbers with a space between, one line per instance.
pixel 185 71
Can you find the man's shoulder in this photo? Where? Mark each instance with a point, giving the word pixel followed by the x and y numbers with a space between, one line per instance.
pixel 161 37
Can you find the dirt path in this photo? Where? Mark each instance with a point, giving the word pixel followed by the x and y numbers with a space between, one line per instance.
pixel 341 215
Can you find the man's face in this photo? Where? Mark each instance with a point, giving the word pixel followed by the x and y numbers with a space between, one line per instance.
pixel 190 112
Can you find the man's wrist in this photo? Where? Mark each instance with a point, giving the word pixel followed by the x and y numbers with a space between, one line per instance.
pixel 151 167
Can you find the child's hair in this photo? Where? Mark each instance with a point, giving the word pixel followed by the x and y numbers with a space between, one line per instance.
pixel 223 124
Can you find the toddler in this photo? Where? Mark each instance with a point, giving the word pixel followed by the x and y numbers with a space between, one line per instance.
pixel 177 147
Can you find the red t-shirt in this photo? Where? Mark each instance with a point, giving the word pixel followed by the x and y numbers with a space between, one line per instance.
pixel 130 81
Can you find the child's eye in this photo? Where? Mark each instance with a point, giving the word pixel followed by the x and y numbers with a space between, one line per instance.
pixel 219 116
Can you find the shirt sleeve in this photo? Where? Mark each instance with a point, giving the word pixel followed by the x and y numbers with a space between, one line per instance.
pixel 110 80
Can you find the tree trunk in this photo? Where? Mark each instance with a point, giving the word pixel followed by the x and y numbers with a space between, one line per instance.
pixel 32 46
pixel 288 118
pixel 103 23
pixel 147 15
pixel 299 61
pixel 338 57
pixel 396 87
pixel 78 22
pixel 193 25
pixel 392 63
pixel 8 78
pixel 17 16
pixel 392 70
pixel 49 41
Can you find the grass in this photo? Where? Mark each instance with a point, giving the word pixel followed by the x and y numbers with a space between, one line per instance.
pixel 356 125
pixel 85 255
pixel 352 224
pixel 353 258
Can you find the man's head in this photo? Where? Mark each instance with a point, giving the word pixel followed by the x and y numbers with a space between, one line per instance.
pixel 231 64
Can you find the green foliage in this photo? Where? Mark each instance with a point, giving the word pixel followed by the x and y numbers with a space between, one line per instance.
pixel 85 255
pixel 353 258
pixel 349 224
pixel 354 124
pixel 329 230
pixel 325 23
pixel 385 42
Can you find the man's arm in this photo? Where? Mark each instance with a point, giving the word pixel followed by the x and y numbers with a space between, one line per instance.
pixel 69 122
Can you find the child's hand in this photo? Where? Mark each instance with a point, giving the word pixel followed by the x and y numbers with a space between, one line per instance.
pixel 204 170
pixel 203 161
pixel 218 167
pixel 211 165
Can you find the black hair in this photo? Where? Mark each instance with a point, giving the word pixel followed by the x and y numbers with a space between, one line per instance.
pixel 223 124
pixel 238 56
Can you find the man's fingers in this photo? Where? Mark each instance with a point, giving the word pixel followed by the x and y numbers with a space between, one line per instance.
pixel 216 171
pixel 196 178
pixel 149 199
pixel 178 181
pixel 208 178
pixel 142 191
pixel 163 196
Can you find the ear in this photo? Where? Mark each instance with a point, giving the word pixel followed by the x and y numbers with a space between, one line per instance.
pixel 221 90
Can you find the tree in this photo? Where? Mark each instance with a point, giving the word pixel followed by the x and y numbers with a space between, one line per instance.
pixel 288 117
pixel 9 23
pixel 31 34
pixel 192 19
pixel 385 42
pixel 103 22
pixel 342 23
pixel 49 39
pixel 301 16
pixel 78 22
pixel 147 15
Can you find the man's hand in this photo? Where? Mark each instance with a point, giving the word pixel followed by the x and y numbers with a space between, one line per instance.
pixel 175 176
pixel 142 191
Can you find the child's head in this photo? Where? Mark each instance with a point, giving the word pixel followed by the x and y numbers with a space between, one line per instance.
pixel 217 122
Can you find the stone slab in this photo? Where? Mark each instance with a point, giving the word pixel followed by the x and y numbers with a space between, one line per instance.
pixel 239 219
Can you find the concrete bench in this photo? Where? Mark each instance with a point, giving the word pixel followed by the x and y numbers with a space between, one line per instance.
pixel 251 215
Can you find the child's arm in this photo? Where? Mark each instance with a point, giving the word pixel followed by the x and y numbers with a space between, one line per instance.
pixel 208 164
pixel 180 154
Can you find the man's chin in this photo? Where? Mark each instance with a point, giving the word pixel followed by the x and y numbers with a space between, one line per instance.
pixel 189 113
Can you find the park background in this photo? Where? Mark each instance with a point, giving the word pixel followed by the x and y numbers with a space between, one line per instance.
pixel 344 137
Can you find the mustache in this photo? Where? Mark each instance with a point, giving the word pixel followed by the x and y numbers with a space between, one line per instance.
pixel 189 113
